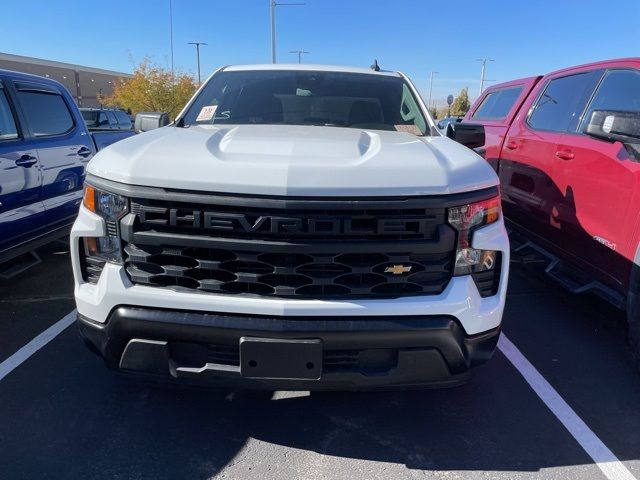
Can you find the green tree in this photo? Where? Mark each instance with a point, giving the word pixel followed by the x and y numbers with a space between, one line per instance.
pixel 152 89
pixel 461 103
pixel 434 112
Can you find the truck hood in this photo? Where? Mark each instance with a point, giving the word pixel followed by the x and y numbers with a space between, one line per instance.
pixel 293 161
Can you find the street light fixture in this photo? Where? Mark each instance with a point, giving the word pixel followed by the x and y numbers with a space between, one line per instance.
pixel 197 44
pixel 299 53
pixel 484 64
pixel 431 85
pixel 273 4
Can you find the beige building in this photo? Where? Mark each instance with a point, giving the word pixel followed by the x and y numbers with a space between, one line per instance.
pixel 84 83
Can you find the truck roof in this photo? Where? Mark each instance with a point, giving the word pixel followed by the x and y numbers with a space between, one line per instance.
pixel 308 67
pixel 517 81
pixel 29 76
pixel 602 63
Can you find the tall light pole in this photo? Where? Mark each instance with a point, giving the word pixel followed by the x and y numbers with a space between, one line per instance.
pixel 299 53
pixel 431 86
pixel 171 38
pixel 484 64
pixel 197 44
pixel 273 4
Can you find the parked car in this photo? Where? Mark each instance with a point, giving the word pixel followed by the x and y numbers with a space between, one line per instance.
pixel 443 123
pixel 297 227
pixel 111 125
pixel 106 119
pixel 44 150
pixel 566 147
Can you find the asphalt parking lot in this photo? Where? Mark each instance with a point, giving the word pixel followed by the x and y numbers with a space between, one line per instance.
pixel 66 416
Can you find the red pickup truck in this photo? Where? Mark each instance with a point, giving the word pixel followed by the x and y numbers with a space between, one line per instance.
pixel 566 147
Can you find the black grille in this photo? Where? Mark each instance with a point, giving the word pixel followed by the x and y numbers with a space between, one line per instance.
pixel 300 248
pixel 311 275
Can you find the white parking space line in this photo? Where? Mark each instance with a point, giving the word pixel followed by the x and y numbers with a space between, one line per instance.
pixel 15 360
pixel 604 458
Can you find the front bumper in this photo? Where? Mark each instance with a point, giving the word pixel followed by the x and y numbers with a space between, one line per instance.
pixel 358 352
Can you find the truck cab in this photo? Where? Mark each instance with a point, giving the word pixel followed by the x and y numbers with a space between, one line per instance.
pixel 495 109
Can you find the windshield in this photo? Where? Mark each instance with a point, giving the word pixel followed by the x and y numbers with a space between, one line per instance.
pixel 356 100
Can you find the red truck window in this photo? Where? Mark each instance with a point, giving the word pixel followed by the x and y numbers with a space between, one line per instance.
pixel 561 103
pixel 497 105
pixel 618 91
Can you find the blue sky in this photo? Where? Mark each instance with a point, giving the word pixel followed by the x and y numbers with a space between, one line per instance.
pixel 415 36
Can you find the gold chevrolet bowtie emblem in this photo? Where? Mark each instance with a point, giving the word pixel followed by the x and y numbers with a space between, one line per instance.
pixel 397 269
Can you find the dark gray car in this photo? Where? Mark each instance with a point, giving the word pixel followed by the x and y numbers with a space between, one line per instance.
pixel 106 119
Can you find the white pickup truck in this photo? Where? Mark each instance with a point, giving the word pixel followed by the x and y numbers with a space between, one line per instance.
pixel 297 227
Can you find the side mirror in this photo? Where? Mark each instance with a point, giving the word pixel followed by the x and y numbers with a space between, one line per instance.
pixel 468 134
pixel 614 126
pixel 146 121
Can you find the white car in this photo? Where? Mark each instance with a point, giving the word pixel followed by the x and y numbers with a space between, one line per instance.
pixel 297 227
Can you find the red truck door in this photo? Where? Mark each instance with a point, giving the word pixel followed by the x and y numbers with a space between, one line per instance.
pixel 598 211
pixel 495 109
pixel 531 191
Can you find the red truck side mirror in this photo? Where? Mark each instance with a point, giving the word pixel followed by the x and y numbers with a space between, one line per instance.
pixel 468 134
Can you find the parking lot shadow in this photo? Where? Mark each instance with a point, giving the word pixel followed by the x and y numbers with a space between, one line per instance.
pixel 85 423
pixel 478 427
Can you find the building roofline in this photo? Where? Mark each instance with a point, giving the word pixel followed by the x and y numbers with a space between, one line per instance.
pixel 51 63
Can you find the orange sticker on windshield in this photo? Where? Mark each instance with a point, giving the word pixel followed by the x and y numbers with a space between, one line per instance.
pixel 206 113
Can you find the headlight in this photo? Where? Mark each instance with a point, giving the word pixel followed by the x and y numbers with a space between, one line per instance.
pixel 111 207
pixel 465 219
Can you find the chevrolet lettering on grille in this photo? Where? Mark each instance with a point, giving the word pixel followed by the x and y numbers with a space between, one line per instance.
pixel 268 224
